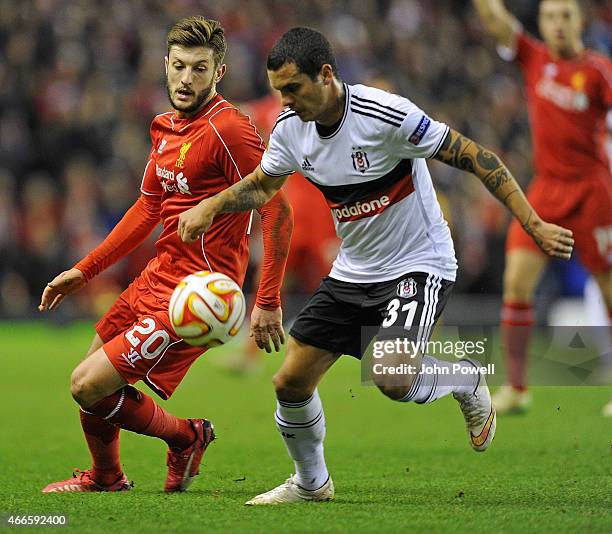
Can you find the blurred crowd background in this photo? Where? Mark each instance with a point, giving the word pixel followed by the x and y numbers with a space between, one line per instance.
pixel 80 81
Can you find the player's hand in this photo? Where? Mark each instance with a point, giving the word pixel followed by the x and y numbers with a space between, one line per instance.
pixel 553 240
pixel 195 221
pixel 266 325
pixel 63 284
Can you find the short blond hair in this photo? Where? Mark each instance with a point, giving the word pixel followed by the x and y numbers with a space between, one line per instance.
pixel 199 31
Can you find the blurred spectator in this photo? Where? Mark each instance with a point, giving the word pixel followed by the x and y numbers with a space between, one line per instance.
pixel 42 249
pixel 80 82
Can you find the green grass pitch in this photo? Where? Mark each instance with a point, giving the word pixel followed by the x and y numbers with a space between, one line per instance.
pixel 396 467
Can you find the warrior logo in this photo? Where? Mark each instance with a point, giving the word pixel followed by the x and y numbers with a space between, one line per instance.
pixel 407 288
pixel 180 162
pixel 360 160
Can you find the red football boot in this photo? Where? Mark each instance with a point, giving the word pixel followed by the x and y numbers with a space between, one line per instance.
pixel 82 481
pixel 184 465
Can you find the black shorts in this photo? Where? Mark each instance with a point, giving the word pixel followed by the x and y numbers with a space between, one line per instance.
pixel 343 317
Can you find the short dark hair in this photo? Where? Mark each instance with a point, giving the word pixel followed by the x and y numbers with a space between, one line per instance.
pixel 199 31
pixel 307 48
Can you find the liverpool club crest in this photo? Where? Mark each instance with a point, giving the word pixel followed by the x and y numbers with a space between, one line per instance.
pixel 360 160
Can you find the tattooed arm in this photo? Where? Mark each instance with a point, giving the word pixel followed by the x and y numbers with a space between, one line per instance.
pixel 252 192
pixel 463 153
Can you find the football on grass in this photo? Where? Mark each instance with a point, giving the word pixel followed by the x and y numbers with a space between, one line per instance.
pixel 207 309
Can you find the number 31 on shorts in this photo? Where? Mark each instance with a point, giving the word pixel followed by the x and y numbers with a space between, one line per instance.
pixel 393 313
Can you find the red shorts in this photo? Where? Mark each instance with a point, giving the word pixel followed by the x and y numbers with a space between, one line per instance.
pixel 140 342
pixel 585 207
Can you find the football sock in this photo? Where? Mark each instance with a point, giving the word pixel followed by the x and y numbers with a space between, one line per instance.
pixel 133 410
pixel 103 442
pixel 516 330
pixel 302 426
pixel 434 382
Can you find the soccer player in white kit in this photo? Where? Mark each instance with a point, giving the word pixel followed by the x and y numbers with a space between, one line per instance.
pixel 365 149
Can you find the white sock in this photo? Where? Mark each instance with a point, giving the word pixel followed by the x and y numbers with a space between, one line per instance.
pixel 429 386
pixel 302 425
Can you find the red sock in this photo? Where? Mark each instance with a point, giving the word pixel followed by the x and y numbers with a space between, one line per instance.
pixel 133 410
pixel 103 442
pixel 516 329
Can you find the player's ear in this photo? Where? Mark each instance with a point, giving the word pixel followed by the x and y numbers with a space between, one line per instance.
pixel 166 64
pixel 220 72
pixel 327 74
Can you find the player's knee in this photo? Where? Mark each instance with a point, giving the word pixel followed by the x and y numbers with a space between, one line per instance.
pixel 291 389
pixel 83 389
pixel 394 386
pixel 515 287
pixel 78 386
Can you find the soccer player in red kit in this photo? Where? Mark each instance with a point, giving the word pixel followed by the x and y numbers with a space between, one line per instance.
pixel 569 94
pixel 202 147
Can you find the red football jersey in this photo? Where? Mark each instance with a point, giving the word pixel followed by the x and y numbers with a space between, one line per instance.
pixel 568 100
pixel 193 159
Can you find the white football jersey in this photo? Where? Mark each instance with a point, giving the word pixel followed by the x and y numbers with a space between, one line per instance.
pixel 373 174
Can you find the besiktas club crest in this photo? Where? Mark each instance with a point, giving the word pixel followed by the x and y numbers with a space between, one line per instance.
pixel 407 288
pixel 360 160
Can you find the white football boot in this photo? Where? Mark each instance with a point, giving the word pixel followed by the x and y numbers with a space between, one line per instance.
pixel 290 491
pixel 606 411
pixel 478 412
pixel 508 400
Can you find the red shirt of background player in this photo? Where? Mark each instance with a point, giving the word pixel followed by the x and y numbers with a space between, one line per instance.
pixel 568 101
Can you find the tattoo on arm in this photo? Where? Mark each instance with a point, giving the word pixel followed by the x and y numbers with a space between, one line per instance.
pixel 252 192
pixel 527 226
pixel 496 179
pixel 462 153
pixel 243 196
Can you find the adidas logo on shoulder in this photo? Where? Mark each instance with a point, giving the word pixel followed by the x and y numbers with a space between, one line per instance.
pixel 306 165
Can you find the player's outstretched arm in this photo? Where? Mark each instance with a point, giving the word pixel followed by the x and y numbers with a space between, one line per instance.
pixel 135 226
pixel 463 153
pixel 500 23
pixel 252 192
pixel 267 315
